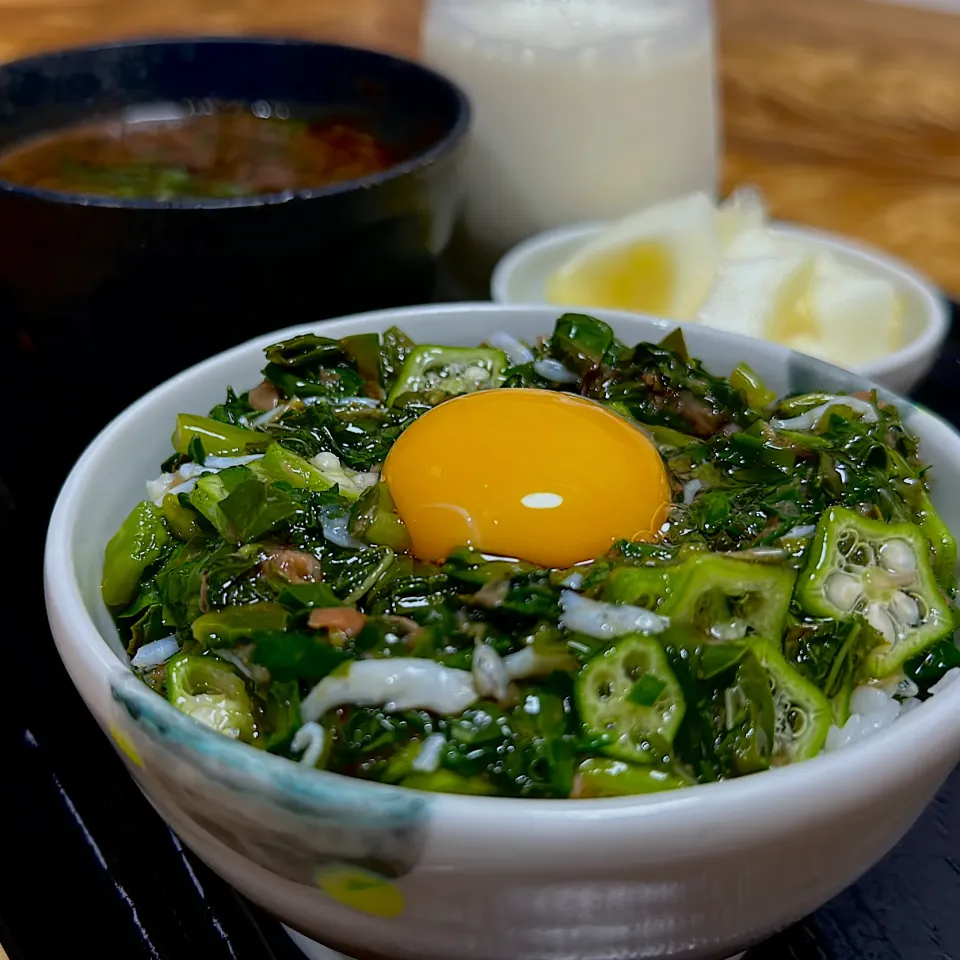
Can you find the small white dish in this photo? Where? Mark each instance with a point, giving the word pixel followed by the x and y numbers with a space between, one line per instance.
pixel 521 277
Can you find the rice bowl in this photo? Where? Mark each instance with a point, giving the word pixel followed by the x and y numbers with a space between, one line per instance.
pixel 693 873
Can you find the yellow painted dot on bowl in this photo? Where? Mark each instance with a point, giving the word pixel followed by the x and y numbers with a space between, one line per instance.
pixel 361 889
pixel 126 745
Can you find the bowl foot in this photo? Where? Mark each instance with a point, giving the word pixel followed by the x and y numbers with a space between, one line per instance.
pixel 313 950
pixel 316 951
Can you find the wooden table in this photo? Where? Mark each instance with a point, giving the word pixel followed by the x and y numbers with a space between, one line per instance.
pixel 846 113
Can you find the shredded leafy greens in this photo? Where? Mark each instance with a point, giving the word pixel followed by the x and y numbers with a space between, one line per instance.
pixel 802 558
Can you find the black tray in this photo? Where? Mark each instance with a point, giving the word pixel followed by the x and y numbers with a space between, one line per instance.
pixel 88 863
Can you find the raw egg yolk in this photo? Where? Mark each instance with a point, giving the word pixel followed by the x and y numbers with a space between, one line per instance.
pixel 550 478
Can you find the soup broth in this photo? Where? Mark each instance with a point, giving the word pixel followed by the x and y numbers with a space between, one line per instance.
pixel 223 154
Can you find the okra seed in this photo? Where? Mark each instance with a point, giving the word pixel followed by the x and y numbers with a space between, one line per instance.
pixel 897 556
pixel 843 590
pixel 905 608
pixel 729 630
pixel 798 722
pixel 879 619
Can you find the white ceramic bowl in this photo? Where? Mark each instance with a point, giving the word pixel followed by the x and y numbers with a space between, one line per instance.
pixel 402 875
pixel 521 277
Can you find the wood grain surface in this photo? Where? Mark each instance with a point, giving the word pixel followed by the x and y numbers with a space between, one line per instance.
pixel 846 113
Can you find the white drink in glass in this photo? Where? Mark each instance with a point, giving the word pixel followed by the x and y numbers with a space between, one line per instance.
pixel 583 109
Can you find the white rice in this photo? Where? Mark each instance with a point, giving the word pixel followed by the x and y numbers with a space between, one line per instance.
pixel 874 708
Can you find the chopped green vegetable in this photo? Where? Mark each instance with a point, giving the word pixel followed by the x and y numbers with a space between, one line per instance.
pixel 754 390
pixel 281 464
pixel 312 366
pixel 307 350
pixel 281 717
pixel 599 777
pixel 638 728
pixel 238 506
pixel 832 655
pixel 226 628
pixel 730 599
pixel 927 670
pixel 217 438
pixel 181 520
pixel 306 596
pixel 375 519
pixel 295 656
pixel 647 690
pixel 942 541
pixel 580 342
pixel 208 493
pixel 253 509
pixel 138 544
pixel 802 713
pixel 445 781
pixel 449 370
pixel 646 587
pixel 802 559
pixel 747 735
pixel 364 350
pixel 209 691
pixel 882 572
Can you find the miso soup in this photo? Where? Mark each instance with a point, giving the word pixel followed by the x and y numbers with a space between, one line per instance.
pixel 219 154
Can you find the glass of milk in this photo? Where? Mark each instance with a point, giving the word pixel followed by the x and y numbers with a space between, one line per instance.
pixel 583 109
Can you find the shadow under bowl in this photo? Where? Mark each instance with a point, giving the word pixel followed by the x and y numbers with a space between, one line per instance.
pixel 103 298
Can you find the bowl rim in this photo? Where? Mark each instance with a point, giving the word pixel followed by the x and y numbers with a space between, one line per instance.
pixel 420 160
pixel 936 313
pixel 916 739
